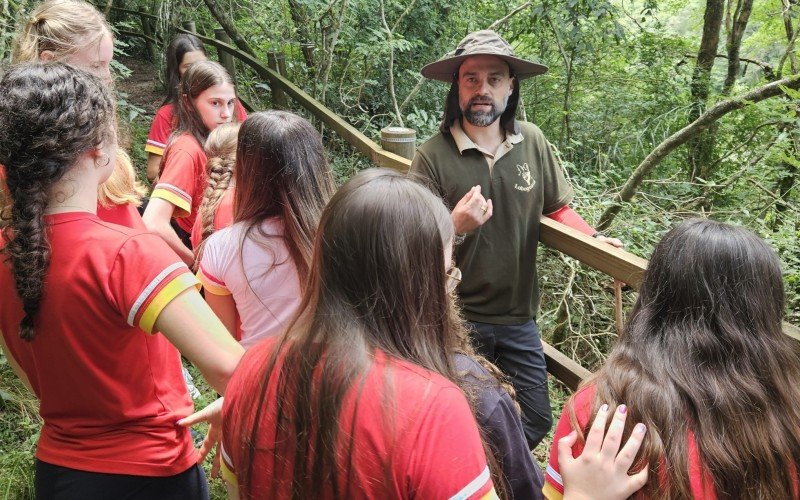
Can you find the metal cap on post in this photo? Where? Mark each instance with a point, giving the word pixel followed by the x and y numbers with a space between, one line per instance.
pixel 399 140
pixel 189 26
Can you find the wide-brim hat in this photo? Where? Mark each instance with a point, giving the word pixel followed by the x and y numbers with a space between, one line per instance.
pixel 484 42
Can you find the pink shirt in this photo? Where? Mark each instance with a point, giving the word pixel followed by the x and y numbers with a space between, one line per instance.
pixel 258 273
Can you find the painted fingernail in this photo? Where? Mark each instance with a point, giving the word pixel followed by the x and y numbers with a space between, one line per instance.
pixel 640 428
pixel 604 408
pixel 623 409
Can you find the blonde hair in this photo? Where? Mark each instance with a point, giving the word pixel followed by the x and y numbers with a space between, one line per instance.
pixel 60 26
pixel 221 152
pixel 122 187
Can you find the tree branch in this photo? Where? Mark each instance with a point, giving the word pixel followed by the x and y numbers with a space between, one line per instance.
pixel 688 132
pixel 508 16
pixel 392 94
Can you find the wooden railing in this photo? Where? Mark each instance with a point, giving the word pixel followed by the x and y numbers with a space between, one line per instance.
pixel 617 263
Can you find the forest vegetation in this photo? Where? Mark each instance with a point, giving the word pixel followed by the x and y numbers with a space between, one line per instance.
pixel 660 110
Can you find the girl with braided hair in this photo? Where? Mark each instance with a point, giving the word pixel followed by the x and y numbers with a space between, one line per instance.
pixel 216 209
pixel 81 298
pixel 73 31
pixel 207 100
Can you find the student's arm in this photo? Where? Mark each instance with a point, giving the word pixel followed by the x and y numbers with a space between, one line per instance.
pixel 157 218
pixel 153 162
pixel 192 327
pixel 233 491
pixel 14 365
pixel 225 309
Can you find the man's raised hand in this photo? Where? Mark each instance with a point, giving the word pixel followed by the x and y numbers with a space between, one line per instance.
pixel 471 211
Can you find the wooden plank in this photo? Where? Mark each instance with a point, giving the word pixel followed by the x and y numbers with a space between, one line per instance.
pixel 564 368
pixel 614 262
pixel 350 134
pixel 791 330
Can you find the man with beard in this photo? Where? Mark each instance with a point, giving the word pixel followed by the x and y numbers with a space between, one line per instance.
pixel 499 177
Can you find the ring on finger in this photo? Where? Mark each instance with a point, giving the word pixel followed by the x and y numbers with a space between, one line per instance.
pixel 484 209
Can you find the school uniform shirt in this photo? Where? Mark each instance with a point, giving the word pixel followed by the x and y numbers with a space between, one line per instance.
pixel 700 480
pixel 125 215
pixel 256 269
pixel 183 179
pixel 110 391
pixel 413 435
pixel 164 123
pixel 223 217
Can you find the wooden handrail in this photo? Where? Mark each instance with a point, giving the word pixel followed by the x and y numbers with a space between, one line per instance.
pixel 617 263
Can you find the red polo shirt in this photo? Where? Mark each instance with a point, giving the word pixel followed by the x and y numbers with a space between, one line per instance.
pixel 110 392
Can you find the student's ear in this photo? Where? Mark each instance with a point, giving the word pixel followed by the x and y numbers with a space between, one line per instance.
pixel 47 55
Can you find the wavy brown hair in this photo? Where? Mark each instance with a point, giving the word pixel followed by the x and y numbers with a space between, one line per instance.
pixel 50 115
pixel 377 282
pixel 704 355
pixel 281 171
pixel 200 76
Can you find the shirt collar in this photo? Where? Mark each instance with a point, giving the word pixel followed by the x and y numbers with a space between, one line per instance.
pixel 463 142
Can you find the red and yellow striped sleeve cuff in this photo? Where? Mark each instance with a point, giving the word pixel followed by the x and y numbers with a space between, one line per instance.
pixel 550 493
pixel 226 469
pixel 211 284
pixel 174 195
pixel 167 285
pixel 152 148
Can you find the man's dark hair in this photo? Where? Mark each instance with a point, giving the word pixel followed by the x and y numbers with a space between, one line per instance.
pixel 452 111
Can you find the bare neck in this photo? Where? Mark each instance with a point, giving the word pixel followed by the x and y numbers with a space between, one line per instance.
pixel 488 138
pixel 72 195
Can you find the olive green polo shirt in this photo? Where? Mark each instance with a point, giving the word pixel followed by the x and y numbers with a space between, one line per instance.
pixel 524 180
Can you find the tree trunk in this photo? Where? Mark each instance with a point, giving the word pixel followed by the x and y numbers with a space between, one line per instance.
pixel 301 23
pixel 701 147
pixel 687 133
pixel 228 25
pixel 734 44
pixel 789 179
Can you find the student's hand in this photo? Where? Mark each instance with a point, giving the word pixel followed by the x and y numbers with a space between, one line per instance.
pixel 471 211
pixel 600 473
pixel 213 415
pixel 614 242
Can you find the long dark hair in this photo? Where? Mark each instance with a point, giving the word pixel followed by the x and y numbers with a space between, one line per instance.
pixel 179 46
pixel 281 171
pixel 377 282
pixel 704 355
pixel 50 114
pixel 200 76
pixel 452 110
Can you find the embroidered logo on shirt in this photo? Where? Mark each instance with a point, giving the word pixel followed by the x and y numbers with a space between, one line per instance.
pixel 525 173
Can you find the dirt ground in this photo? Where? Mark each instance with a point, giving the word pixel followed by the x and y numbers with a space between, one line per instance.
pixel 143 87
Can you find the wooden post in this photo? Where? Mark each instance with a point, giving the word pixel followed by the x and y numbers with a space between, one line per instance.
pixel 399 140
pixel 225 58
pixel 189 26
pixel 147 29
pixel 277 62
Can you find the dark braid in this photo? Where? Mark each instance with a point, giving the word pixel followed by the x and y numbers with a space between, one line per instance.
pixel 50 114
